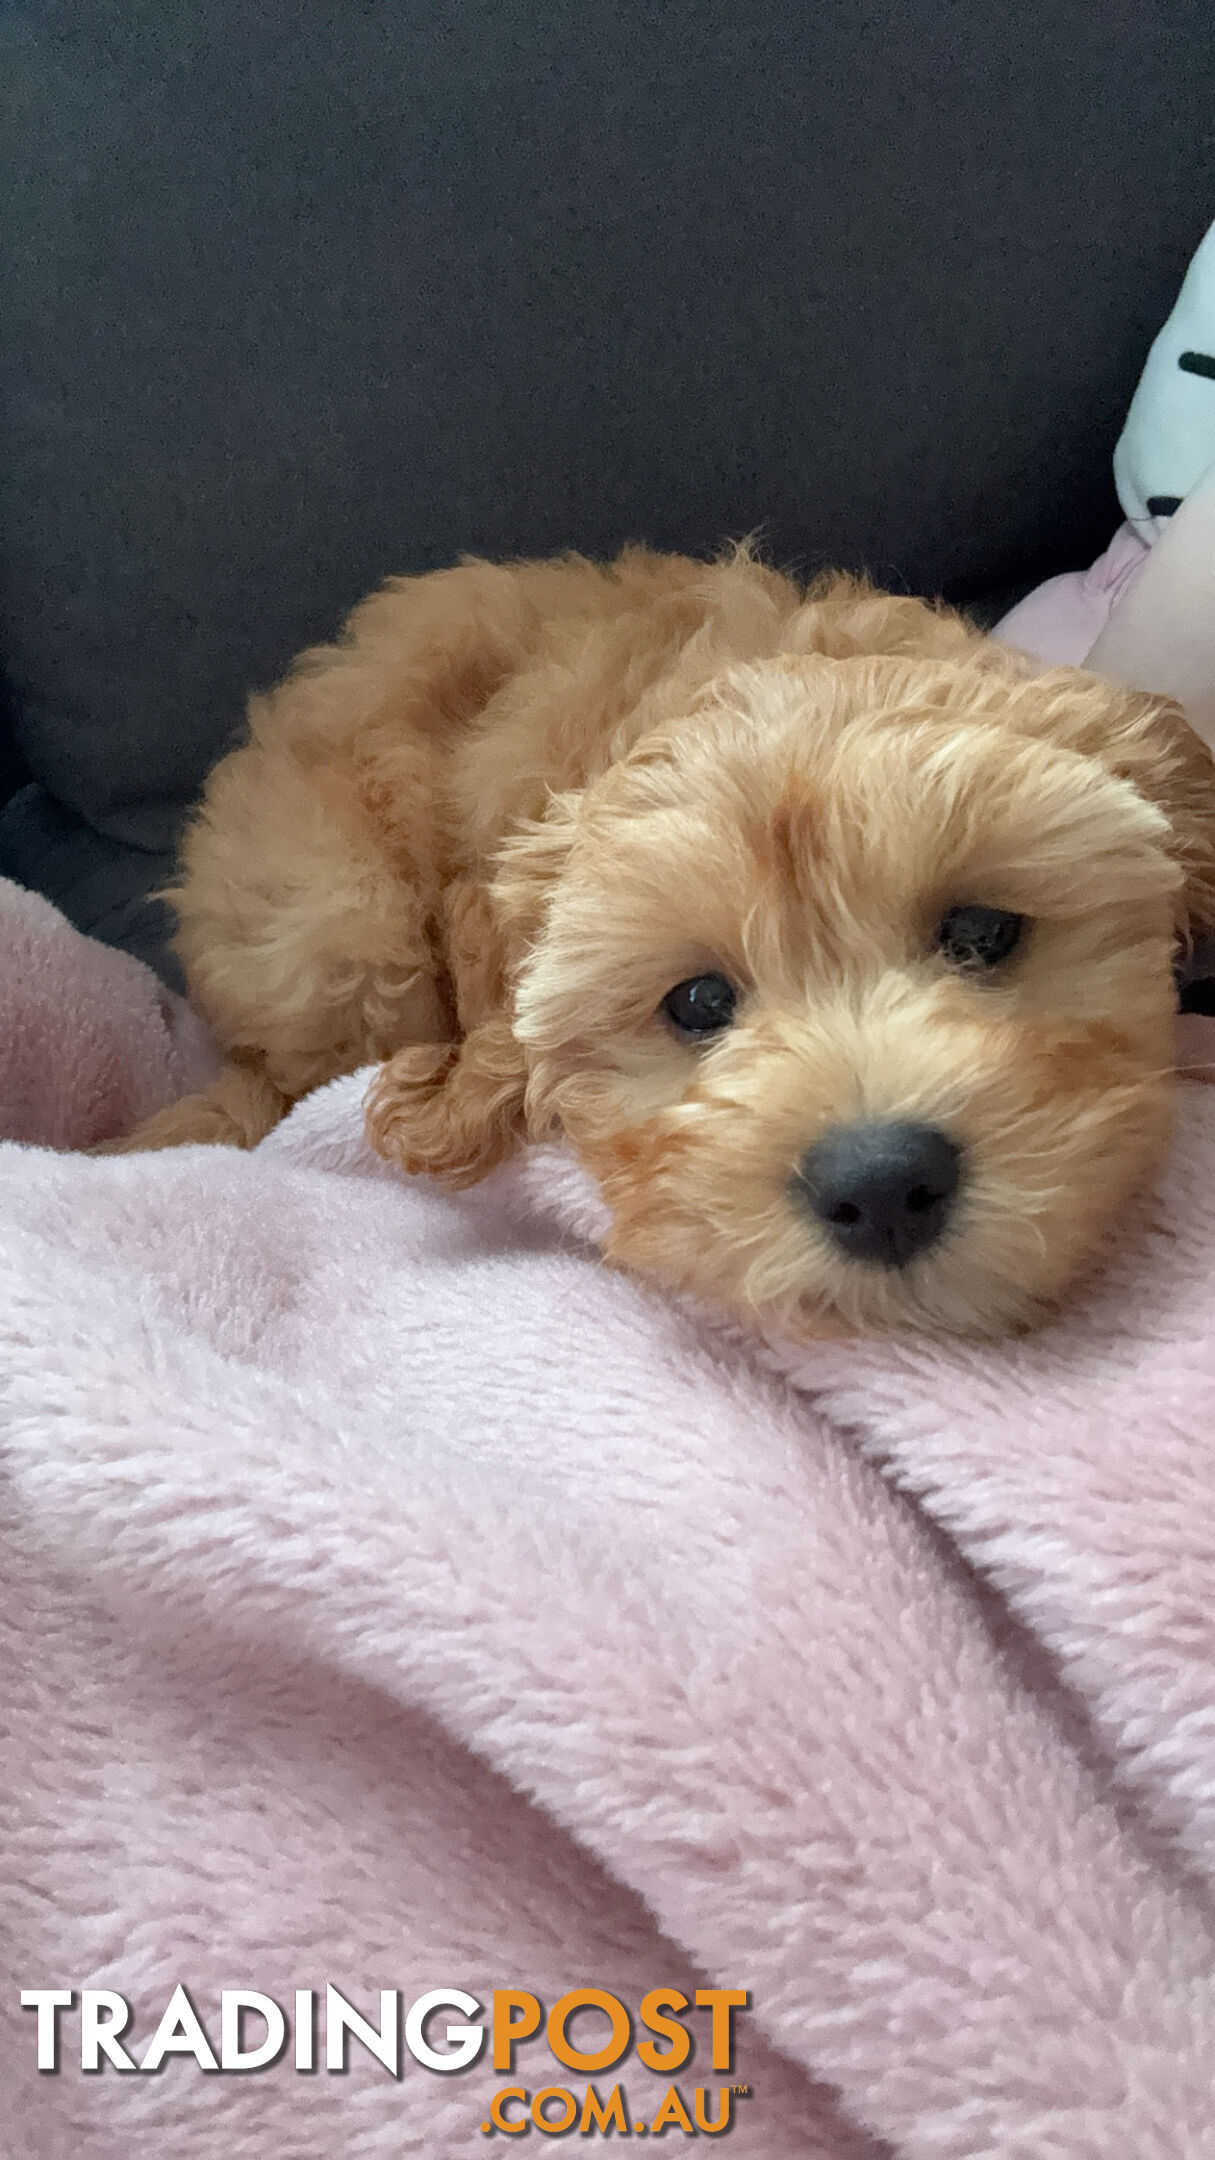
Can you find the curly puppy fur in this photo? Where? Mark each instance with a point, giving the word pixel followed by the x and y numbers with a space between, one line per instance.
pixel 481 837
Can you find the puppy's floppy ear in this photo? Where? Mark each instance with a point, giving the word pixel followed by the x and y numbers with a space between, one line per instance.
pixel 1179 775
pixel 1148 741
pixel 530 861
pixel 846 618
pixel 454 1110
pixel 1142 738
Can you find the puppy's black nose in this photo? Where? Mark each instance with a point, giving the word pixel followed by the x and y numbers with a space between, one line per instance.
pixel 884 1192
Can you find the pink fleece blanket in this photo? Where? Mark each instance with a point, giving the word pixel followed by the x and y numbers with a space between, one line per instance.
pixel 90 1042
pixel 393 1598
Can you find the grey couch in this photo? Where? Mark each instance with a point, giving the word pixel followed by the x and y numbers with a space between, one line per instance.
pixel 299 294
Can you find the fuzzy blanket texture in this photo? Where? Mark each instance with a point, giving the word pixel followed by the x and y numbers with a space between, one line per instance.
pixel 393 1597
pixel 90 1042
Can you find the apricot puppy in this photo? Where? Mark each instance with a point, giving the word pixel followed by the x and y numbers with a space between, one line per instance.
pixel 837 942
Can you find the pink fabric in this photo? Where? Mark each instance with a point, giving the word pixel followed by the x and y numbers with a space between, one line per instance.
pixel 90 1042
pixel 1161 634
pixel 393 1596
pixel 1060 621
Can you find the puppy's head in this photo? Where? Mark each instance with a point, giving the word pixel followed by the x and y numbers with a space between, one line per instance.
pixel 853 988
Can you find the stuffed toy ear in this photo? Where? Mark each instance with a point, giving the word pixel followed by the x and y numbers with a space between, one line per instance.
pixel 1168 442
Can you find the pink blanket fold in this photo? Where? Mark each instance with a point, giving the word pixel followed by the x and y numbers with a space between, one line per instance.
pixel 394 1597
pixel 90 1042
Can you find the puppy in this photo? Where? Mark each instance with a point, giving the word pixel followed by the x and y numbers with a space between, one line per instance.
pixel 836 941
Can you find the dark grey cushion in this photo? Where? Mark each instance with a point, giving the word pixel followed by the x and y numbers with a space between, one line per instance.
pixel 105 887
pixel 298 295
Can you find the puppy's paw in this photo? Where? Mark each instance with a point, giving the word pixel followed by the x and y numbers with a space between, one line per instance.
pixel 450 1110
pixel 237 1110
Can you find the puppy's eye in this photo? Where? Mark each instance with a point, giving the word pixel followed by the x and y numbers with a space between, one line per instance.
pixel 701 1006
pixel 979 937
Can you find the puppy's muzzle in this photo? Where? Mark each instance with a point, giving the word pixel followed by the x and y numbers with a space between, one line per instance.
pixel 883 1192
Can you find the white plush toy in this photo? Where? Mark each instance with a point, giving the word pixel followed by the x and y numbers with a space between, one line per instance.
pixel 1167 447
pixel 1144 614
